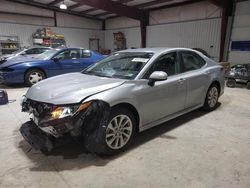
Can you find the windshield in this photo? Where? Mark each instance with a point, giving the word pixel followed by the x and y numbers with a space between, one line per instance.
pixel 47 54
pixel 124 65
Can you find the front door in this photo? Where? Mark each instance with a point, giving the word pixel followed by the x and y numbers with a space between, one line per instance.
pixel 65 62
pixel 87 58
pixel 165 97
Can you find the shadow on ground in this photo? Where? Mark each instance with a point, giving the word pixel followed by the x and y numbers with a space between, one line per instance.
pixel 241 85
pixel 74 156
pixel 13 86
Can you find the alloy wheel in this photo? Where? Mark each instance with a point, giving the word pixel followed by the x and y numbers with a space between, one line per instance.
pixel 119 131
pixel 35 77
pixel 213 97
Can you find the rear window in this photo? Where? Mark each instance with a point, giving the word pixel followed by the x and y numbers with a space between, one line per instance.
pixel 191 61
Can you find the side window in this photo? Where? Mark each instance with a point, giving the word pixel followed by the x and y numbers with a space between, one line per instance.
pixel 31 51
pixel 74 54
pixel 166 63
pixel 68 54
pixel 191 61
pixel 86 54
pixel 41 50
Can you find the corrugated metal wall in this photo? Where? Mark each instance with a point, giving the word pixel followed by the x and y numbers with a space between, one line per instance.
pixel 77 30
pixel 73 36
pixel 121 22
pixel 133 37
pixel 195 25
pixel 196 11
pixel 241 32
pixel 203 34
pixel 66 20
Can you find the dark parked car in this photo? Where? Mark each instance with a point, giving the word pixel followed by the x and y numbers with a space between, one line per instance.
pixel 31 70
pixel 238 73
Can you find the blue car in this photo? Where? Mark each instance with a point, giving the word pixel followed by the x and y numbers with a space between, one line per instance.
pixel 30 70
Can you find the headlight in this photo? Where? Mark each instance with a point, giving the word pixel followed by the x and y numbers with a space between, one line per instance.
pixel 61 112
pixel 23 99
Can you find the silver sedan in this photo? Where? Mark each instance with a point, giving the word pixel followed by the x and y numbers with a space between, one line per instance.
pixel 127 92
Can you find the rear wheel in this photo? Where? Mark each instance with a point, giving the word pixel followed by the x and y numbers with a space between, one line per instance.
pixel 248 85
pixel 34 76
pixel 231 83
pixel 211 98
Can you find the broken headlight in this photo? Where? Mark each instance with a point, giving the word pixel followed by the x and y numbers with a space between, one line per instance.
pixel 23 99
pixel 64 111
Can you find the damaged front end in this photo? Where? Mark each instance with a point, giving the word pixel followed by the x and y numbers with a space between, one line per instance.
pixel 51 123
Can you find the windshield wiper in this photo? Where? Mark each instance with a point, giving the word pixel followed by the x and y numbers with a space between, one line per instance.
pixel 96 74
pixel 102 75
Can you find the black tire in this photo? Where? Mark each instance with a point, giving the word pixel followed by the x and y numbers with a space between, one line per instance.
pixel 211 103
pixel 40 76
pixel 248 85
pixel 231 83
pixel 97 142
pixel 45 151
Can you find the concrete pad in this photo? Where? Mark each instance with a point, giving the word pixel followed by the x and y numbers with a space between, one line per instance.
pixel 195 150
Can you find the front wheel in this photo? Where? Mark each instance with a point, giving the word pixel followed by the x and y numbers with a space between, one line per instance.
pixel 248 85
pixel 34 76
pixel 211 98
pixel 115 136
pixel 231 83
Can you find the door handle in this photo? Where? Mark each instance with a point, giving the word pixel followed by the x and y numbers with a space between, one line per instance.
pixel 76 62
pixel 181 80
pixel 207 72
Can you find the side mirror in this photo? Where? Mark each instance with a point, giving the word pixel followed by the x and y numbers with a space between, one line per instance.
pixel 23 53
pixel 157 76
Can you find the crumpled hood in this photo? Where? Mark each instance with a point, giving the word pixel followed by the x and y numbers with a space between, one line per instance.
pixel 70 88
pixel 18 59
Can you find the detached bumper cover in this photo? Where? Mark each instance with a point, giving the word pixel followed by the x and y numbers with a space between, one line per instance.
pixel 35 137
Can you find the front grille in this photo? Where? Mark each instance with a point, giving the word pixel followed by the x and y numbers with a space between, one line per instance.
pixel 39 109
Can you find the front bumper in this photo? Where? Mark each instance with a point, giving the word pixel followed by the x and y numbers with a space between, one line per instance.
pixel 2 78
pixel 14 77
pixel 59 127
pixel 45 135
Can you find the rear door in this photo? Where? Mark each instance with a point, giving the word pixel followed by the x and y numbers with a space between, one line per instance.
pixel 192 68
pixel 86 58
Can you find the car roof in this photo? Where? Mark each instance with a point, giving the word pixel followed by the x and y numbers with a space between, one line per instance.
pixel 40 47
pixel 71 48
pixel 156 50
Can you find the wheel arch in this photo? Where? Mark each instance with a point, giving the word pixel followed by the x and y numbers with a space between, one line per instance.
pixel 39 68
pixel 216 82
pixel 131 108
